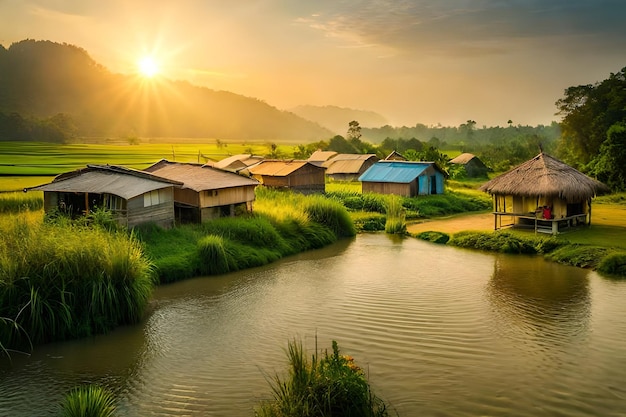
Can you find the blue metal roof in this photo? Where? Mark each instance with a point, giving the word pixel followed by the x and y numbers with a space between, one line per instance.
pixel 394 171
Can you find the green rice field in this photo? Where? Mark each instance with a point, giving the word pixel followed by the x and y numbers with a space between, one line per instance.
pixel 47 159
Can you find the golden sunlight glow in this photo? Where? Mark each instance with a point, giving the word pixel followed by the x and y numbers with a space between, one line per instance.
pixel 148 67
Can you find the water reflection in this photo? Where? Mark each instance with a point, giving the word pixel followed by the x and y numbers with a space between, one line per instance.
pixel 533 297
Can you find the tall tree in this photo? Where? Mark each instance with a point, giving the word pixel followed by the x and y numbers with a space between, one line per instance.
pixel 588 112
pixel 610 164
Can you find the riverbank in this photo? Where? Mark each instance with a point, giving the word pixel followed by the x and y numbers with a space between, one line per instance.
pixel 601 246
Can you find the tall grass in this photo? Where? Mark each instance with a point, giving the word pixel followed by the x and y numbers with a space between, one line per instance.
pixel 16 202
pixel 284 223
pixel 88 401
pixel 329 384
pixel 67 281
pixel 396 218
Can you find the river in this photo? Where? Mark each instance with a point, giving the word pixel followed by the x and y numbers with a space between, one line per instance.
pixel 440 331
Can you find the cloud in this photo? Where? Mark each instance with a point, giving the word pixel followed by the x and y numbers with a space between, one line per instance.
pixel 469 27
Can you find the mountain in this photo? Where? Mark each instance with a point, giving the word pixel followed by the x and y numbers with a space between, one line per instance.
pixel 44 78
pixel 337 118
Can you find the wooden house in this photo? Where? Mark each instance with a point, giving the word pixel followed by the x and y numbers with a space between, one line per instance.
pixel 301 176
pixel 134 197
pixel 348 167
pixel 474 167
pixel 405 178
pixel 543 193
pixel 206 192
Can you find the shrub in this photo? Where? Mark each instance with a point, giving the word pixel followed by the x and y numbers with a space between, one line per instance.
pixel 505 242
pixel 613 264
pixel 584 256
pixel 434 237
pixel 330 385
pixel 396 221
pixel 88 401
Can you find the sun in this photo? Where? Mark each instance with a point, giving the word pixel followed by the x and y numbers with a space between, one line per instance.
pixel 148 67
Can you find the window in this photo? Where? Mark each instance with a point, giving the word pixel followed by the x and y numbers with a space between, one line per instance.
pixel 153 198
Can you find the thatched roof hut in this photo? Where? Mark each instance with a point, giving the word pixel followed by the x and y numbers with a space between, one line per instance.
pixel 543 192
pixel 546 176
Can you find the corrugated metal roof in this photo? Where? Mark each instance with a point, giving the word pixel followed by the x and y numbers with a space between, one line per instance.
pixel 199 178
pixel 353 166
pixel 238 160
pixel 463 159
pixel 277 168
pixel 395 171
pixel 124 182
pixel 321 156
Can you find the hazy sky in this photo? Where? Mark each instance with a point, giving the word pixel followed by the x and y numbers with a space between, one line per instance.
pixel 413 61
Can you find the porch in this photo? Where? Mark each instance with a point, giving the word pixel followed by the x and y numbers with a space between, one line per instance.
pixel 537 222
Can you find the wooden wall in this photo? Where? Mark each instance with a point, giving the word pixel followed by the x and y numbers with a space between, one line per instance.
pixel 227 196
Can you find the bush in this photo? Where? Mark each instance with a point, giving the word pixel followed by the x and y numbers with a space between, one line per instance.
pixel 613 264
pixel 212 256
pixel 434 237
pixel 89 401
pixel 330 385
pixel 583 256
pixel 505 242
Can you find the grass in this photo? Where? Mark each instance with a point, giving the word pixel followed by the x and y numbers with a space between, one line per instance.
pixel 329 384
pixel 283 224
pixel 60 281
pixel 15 202
pixel 88 401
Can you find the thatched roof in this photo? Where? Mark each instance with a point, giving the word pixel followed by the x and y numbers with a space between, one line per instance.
pixel 545 176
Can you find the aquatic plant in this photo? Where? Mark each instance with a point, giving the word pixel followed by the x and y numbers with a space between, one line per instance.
pixel 329 384
pixel 396 220
pixel 88 401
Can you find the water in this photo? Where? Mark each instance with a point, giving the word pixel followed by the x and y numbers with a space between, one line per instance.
pixel 440 331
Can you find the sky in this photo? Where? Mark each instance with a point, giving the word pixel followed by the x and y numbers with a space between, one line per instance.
pixel 413 61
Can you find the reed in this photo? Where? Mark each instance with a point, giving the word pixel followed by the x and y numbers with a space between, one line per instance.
pixel 88 401
pixel 396 217
pixel 329 384
pixel 66 282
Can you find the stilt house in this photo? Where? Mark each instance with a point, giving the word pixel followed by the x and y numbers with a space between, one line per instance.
pixel 206 192
pixel 543 193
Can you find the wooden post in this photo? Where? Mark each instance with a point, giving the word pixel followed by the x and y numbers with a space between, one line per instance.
pixel 86 203
pixel 555 227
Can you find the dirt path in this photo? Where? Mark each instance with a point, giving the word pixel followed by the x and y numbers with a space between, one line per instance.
pixel 454 224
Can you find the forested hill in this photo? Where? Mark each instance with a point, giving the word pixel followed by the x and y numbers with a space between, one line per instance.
pixel 62 85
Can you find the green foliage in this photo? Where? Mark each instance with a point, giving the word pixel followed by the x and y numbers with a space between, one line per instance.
pixel 583 256
pixel 505 242
pixel 588 112
pixel 609 166
pixel 89 401
pixel 60 282
pixel 613 264
pixel 368 222
pixel 326 385
pixel 284 223
pixel 434 237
